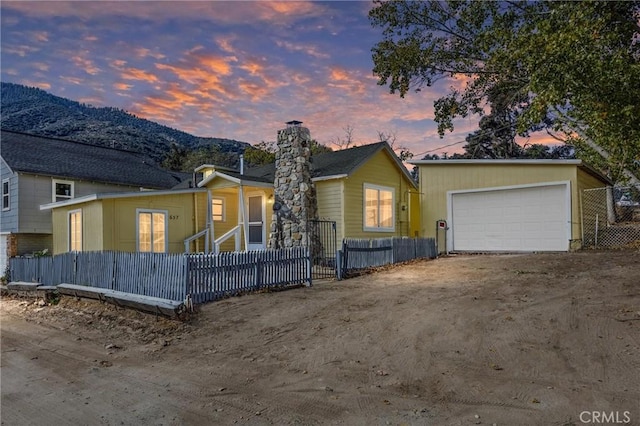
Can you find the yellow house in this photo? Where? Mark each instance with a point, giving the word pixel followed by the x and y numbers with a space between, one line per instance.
pixel 504 205
pixel 149 221
pixel 241 208
pixel 366 190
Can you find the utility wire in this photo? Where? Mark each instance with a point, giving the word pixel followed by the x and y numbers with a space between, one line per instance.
pixel 462 141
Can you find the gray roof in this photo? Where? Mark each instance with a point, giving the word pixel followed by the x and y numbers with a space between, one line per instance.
pixel 335 163
pixel 62 158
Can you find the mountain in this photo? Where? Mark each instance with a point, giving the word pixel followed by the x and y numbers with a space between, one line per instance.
pixel 32 110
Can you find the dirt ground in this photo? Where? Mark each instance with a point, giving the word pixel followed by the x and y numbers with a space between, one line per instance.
pixel 536 339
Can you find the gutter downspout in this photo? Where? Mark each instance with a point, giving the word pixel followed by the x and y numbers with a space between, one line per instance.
pixel 211 235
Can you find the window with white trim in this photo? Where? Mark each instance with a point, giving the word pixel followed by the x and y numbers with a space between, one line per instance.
pixel 62 190
pixel 379 212
pixel 218 209
pixel 6 196
pixel 75 230
pixel 152 231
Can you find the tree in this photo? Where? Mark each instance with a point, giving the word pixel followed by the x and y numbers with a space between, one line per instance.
pixel 348 139
pixel 570 67
pixel 317 148
pixel 265 152
pixel 403 153
pixel 261 153
pixel 175 157
pixel 185 160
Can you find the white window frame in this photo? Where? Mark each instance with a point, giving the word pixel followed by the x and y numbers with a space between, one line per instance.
pixel 166 229
pixel 69 235
pixel 224 209
pixel 6 195
pixel 54 197
pixel 392 228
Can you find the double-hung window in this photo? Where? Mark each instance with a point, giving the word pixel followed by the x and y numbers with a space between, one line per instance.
pixel 217 209
pixel 379 212
pixel 75 230
pixel 152 231
pixel 62 190
pixel 6 196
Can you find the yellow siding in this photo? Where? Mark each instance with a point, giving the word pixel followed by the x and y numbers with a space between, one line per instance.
pixel 588 181
pixel 437 179
pixel 415 218
pixel 230 196
pixel 379 170
pixel 230 193
pixel 120 219
pixel 330 195
pixel 92 219
pixel 200 201
pixel 61 230
pixel 221 184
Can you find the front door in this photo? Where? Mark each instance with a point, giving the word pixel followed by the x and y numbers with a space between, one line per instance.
pixel 256 222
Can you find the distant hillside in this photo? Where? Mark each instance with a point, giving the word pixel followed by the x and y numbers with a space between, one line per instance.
pixel 32 110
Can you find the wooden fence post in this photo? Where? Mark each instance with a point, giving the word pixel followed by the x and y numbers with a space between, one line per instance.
pixel 258 272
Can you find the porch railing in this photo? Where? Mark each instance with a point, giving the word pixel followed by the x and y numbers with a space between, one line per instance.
pixel 235 231
pixel 187 242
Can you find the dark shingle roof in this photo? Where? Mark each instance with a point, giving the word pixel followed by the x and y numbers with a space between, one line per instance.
pixel 75 160
pixel 334 163
pixel 343 162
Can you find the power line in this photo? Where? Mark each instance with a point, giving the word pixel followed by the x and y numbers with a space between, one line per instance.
pixel 463 141
pixel 439 148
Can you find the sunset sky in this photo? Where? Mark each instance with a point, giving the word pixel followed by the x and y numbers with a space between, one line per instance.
pixel 235 69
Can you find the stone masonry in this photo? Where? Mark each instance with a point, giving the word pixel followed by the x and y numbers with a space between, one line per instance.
pixel 295 194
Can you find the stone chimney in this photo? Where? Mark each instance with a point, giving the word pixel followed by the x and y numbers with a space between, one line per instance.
pixel 295 194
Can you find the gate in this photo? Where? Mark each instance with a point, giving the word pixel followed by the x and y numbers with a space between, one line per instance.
pixel 322 248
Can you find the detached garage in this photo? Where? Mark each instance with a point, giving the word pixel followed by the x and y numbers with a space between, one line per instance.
pixel 504 205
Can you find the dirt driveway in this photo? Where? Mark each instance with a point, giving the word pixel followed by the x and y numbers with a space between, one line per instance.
pixel 547 339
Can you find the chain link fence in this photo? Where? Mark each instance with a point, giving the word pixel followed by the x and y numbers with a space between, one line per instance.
pixel 611 217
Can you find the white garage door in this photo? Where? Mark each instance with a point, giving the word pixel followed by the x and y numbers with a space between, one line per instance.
pixel 522 219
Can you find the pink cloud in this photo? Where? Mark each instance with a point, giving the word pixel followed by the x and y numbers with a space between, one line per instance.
pixel 122 86
pixel 225 43
pixel 138 74
pixel 308 49
pixel 39 84
pixel 118 63
pixel 21 50
pixel 72 80
pixel 85 64
pixel 276 13
pixel 40 36
pixel 142 52
pixel 41 66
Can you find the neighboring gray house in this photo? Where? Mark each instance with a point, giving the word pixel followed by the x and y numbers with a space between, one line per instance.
pixel 39 170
